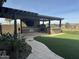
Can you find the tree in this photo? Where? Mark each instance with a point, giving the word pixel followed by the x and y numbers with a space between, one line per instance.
pixel 2 2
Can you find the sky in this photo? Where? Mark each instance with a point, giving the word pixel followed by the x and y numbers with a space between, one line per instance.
pixel 67 9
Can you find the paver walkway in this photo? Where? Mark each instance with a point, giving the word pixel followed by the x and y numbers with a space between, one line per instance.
pixel 39 50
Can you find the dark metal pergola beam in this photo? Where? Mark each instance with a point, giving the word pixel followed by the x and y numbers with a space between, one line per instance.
pixel 49 27
pixel 15 28
pixel 0 28
pixel 20 14
pixel 60 25
pixel 43 21
pixel 47 18
pixel 21 25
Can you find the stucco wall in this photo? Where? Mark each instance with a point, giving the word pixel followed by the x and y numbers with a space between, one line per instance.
pixel 8 28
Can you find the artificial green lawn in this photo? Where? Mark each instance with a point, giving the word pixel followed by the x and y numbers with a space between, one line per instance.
pixel 66 45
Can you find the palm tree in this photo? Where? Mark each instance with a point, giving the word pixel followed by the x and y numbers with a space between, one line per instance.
pixel 2 2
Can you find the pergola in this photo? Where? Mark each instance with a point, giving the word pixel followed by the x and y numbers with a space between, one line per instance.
pixel 15 14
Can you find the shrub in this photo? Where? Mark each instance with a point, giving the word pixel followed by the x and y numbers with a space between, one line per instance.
pixel 15 48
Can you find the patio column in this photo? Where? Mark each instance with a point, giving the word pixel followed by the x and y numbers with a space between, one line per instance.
pixel 43 21
pixel 15 28
pixel 49 29
pixel 0 28
pixel 21 25
pixel 60 25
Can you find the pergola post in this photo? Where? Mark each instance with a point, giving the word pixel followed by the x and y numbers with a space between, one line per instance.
pixel 60 25
pixel 43 21
pixel 0 28
pixel 15 28
pixel 49 29
pixel 21 25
